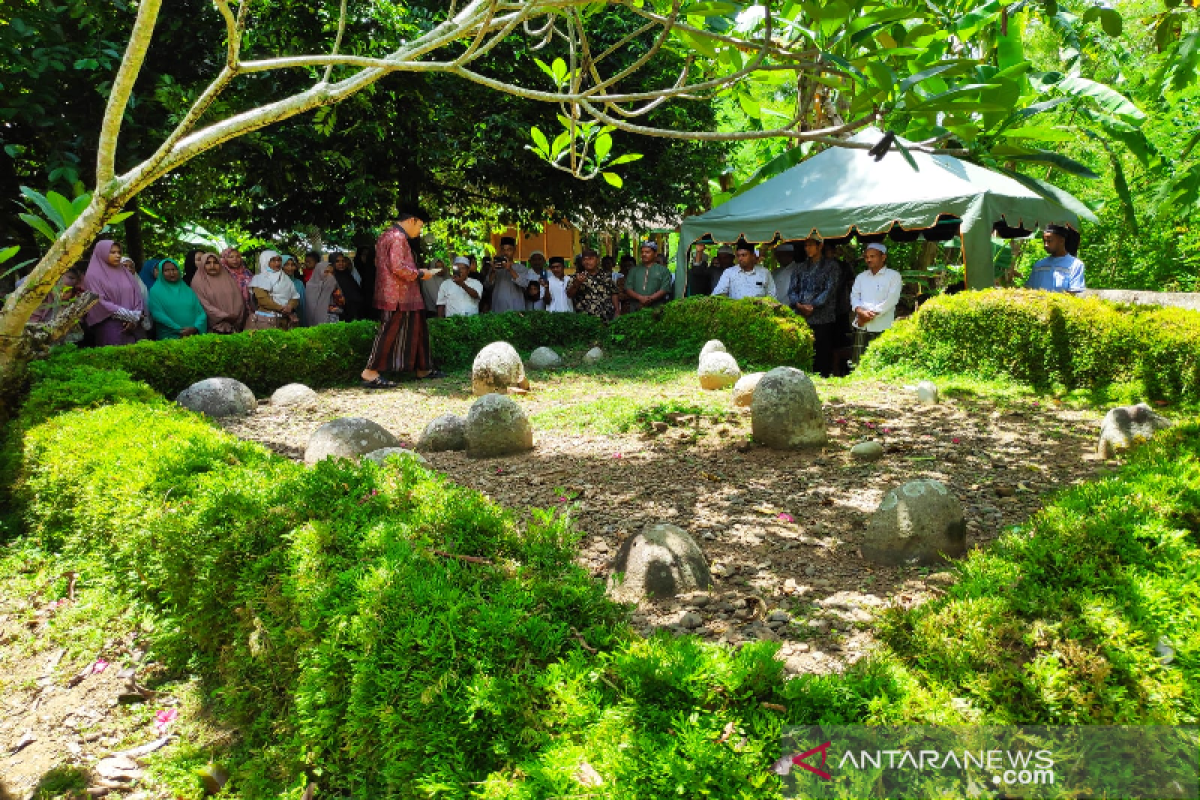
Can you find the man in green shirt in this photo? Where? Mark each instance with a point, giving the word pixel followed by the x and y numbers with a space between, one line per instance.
pixel 649 283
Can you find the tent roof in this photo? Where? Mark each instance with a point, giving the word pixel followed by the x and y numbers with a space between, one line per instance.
pixel 843 188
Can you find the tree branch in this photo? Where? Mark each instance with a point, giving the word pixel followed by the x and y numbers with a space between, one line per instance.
pixel 118 98
pixel 337 43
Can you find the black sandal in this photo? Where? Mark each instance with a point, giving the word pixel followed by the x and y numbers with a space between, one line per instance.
pixel 435 373
pixel 380 382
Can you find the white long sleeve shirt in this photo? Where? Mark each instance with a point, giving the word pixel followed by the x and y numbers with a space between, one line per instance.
pixel 878 293
pixel 737 283
pixel 559 301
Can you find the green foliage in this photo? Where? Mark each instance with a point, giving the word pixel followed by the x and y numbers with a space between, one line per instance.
pixel 754 330
pixel 1058 622
pixel 327 355
pixel 456 340
pixel 1045 339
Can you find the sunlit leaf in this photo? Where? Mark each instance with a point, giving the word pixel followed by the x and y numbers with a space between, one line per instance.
pixel 602 146
pixel 613 179
pixel 625 159
pixel 1106 97
pixel 541 145
pixel 40 225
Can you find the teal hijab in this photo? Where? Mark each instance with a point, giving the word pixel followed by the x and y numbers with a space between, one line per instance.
pixel 175 306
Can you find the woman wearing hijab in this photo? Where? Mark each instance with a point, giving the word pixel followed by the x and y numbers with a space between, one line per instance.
pixel 176 309
pixel 364 265
pixel 231 259
pixel 116 318
pixel 220 296
pixel 323 300
pixel 147 321
pixel 193 263
pixel 275 297
pixel 355 305
pixel 149 273
pixel 289 269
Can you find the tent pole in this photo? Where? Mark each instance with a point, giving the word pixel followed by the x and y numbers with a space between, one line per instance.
pixel 977 257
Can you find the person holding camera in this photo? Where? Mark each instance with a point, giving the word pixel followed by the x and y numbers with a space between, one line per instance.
pixel 507 279
pixel 459 296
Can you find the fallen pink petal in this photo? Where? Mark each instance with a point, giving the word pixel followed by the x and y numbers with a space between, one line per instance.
pixel 870 424
pixel 786 517
pixel 164 718
pixel 886 430
pixel 840 421
pixel 99 666
pixel 617 455
pixel 562 499
pixel 955 440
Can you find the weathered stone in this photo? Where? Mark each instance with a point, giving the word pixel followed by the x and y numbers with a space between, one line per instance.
pixel 447 432
pixel 497 426
pixel 347 437
pixel 786 412
pixel 218 397
pixel 927 393
pixel 593 355
pixel 743 390
pixel 295 394
pixel 920 523
pixel 660 562
pixel 1126 426
pixel 544 358
pixel 718 370
pixel 381 455
pixel 712 346
pixel 691 620
pixel 867 451
pixel 497 367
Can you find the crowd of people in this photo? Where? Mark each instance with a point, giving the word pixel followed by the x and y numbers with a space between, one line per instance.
pixel 218 293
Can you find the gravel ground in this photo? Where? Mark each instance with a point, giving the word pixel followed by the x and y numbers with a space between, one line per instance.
pixel 781 530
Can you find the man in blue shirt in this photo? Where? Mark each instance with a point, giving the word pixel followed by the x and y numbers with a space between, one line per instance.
pixel 1060 271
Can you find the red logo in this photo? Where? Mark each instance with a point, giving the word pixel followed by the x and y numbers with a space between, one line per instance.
pixel 798 760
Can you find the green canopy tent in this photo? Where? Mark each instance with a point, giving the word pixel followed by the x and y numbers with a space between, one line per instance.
pixel 843 190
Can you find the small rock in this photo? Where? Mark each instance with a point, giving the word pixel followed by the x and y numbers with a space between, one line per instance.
pixel 1004 490
pixel 712 346
pixel 867 451
pixel 497 426
pixel 447 432
pixel 743 390
pixel 218 397
pixel 1127 426
pixel 919 523
pixel 927 393
pixel 497 367
pixel 701 600
pixel 593 355
pixel 295 394
pixel 660 426
pixel 118 768
pixel 660 562
pixel 718 370
pixel 786 412
pixel 780 616
pixel 691 620
pixel 544 358
pixel 347 437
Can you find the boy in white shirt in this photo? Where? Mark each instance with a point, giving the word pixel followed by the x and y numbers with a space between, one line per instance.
pixel 554 287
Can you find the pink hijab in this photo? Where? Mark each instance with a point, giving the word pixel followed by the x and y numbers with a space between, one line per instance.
pixel 243 276
pixel 117 287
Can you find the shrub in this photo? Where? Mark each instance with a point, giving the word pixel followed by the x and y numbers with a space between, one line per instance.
pixel 456 340
pixel 756 331
pixel 1045 339
pixel 327 355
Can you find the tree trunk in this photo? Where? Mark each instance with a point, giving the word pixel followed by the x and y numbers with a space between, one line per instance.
pixel 16 348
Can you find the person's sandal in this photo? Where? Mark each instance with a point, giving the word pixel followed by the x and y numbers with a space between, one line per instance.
pixel 379 383
pixel 437 373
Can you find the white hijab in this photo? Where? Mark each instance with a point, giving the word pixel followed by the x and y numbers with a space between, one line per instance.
pixel 274 282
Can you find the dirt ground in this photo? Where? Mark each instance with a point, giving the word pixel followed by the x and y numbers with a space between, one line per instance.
pixel 781 530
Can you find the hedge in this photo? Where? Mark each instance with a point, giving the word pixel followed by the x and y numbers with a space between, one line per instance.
pixel 1046 339
pixel 755 331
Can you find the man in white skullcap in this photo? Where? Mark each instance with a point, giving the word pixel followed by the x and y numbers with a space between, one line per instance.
pixel 459 296
pixel 873 299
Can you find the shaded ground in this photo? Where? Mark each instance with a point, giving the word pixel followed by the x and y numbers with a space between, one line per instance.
pixel 781 529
